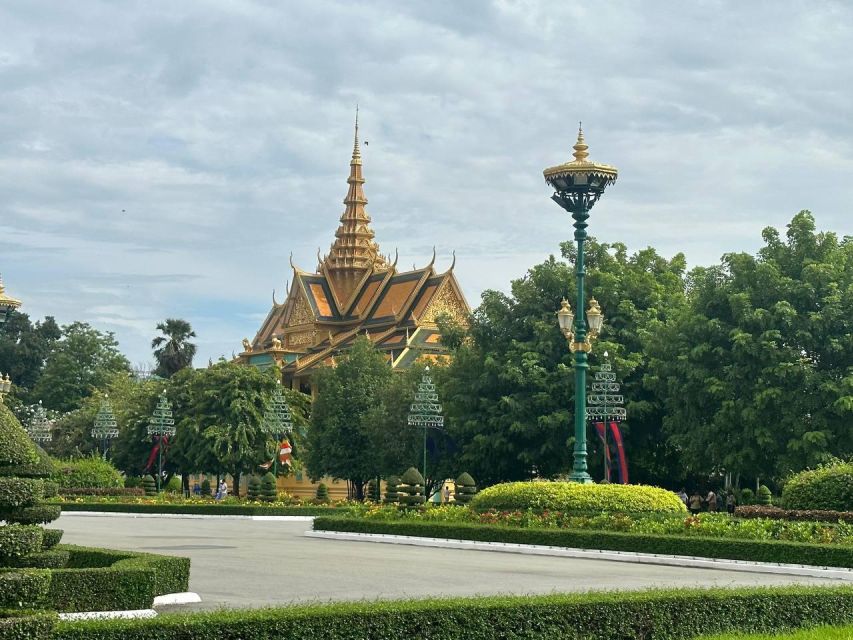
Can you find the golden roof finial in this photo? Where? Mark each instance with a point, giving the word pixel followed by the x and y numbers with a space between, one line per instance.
pixel 356 152
pixel 581 147
pixel 7 302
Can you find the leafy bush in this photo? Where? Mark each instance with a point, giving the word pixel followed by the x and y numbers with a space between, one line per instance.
pixel 764 497
pixel 322 494
pixel 149 485
pixel 268 492
pixel 15 446
pixel 45 559
pixel 133 482
pixel 18 540
pixel 206 508
pixel 673 615
pixel 829 487
pixel 51 538
pixel 106 580
pixel 747 496
pixel 391 494
pixel 27 625
pixel 20 492
pixel 571 497
pixel 205 487
pixel 23 589
pixel 466 488
pixel 174 485
pixel 253 487
pixel 102 491
pixel 38 514
pixel 410 491
pixel 87 472
pixel 373 492
pixel 784 552
pixel 808 515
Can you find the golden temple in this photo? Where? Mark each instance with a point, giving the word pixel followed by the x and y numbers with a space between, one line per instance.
pixel 355 291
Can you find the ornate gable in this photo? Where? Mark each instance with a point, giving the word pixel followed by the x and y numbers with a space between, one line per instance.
pixel 446 301
pixel 301 313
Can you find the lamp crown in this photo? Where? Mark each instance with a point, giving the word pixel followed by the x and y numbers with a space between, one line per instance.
pixel 581 147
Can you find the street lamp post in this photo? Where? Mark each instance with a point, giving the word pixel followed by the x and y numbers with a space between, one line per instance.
pixel 578 185
pixel 39 426
pixel 425 413
pixel 605 405
pixel 105 427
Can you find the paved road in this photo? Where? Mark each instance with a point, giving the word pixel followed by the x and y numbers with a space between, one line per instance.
pixel 244 563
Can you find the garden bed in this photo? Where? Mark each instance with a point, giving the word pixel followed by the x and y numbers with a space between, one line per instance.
pixel 672 614
pixel 210 509
pixel 782 552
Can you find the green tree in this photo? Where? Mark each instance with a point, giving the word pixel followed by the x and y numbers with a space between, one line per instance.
pixel 756 372
pixel 83 360
pixel 24 347
pixel 172 350
pixel 508 390
pixel 339 435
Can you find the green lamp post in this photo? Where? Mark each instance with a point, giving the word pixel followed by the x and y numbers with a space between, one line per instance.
pixel 578 185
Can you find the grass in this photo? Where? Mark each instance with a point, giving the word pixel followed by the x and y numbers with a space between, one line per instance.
pixel 818 633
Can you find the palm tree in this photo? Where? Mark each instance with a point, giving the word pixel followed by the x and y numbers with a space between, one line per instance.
pixel 171 350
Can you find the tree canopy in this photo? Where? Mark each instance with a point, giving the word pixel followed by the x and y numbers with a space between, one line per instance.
pixel 173 350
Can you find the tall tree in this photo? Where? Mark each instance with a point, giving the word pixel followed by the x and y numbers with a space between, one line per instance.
pixel 83 360
pixel 757 372
pixel 24 347
pixel 172 350
pixel 339 437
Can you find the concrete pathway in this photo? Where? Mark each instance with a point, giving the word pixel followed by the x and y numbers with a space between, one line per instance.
pixel 244 563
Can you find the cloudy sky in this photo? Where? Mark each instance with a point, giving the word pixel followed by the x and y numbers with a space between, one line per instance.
pixel 162 159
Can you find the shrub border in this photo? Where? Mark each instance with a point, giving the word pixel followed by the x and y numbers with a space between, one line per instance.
pixel 202 509
pixel 672 614
pixel 110 580
pixel 819 555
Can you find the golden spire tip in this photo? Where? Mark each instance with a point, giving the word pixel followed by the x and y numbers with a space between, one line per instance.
pixel 581 147
pixel 356 153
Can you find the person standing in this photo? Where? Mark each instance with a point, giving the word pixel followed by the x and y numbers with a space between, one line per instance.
pixel 695 503
pixel 731 502
pixel 711 501
pixel 682 495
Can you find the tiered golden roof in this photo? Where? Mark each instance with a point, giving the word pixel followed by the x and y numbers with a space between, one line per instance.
pixel 7 302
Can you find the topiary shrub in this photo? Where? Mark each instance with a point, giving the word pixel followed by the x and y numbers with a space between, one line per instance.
pixel 23 468
pixel 253 487
pixel 466 488
pixel 150 485
pixel 747 496
pixel 373 492
pixel 572 497
pixel 87 472
pixel 268 491
pixel 411 489
pixel 132 482
pixel 764 497
pixel 322 494
pixel 205 487
pixel 391 485
pixel 174 485
pixel 829 488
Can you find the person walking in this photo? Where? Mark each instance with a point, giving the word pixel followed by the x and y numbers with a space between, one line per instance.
pixel 682 495
pixel 221 490
pixel 731 502
pixel 711 501
pixel 695 503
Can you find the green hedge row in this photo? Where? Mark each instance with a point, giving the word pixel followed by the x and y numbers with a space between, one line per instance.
pixel 20 492
pixel 106 580
pixel 27 625
pixel 822 555
pixel 18 540
pixel 662 615
pixel 203 509
pixel 37 514
pixel 25 587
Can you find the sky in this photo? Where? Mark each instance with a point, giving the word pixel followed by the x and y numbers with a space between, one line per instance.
pixel 163 159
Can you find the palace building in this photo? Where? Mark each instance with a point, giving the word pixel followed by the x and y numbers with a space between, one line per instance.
pixel 355 291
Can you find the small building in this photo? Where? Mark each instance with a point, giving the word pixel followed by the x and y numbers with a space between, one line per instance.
pixel 355 291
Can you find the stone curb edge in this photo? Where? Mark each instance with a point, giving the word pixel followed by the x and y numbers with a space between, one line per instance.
pixel 185 516
pixel 592 554
pixel 186 597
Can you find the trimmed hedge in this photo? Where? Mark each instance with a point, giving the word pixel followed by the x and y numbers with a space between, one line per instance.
pixel 27 625
pixel 106 580
pixel 50 559
pixel 662 615
pixel 87 472
pixel 822 555
pixel 572 497
pixel 51 538
pixel 809 515
pixel 38 514
pixel 82 492
pixel 20 492
pixel 15 446
pixel 17 540
pixel 24 588
pixel 203 509
pixel 829 487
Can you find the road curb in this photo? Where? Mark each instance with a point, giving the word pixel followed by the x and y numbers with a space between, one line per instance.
pixel 833 573
pixel 185 516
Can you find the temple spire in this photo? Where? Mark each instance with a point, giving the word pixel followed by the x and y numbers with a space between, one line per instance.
pixel 354 250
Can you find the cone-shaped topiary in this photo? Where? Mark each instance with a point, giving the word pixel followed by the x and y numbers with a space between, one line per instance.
pixel 391 484
pixel 411 489
pixel 150 485
pixel 205 487
pixel 253 487
pixel 268 488
pixel 22 487
pixel 322 494
pixel 764 496
pixel 373 492
pixel 466 488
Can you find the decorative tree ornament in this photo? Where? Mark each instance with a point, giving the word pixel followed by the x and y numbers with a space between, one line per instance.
pixel 39 426
pixel 277 422
pixel 161 426
pixel 106 427
pixel 605 405
pixel 426 411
